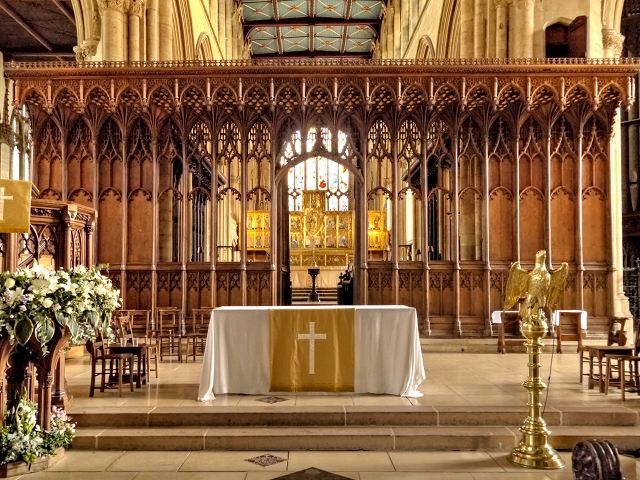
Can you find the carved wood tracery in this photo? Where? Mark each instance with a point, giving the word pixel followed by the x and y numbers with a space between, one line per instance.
pixel 183 143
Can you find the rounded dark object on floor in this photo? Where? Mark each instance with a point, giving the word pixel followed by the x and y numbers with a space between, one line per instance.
pixel 595 460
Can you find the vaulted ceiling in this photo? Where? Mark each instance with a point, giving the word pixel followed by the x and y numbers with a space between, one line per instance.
pixel 33 30
pixel 312 28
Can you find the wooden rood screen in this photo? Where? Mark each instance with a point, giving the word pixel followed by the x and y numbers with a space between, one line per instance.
pixel 473 166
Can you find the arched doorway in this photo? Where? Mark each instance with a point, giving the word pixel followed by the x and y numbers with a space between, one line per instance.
pixel 321 208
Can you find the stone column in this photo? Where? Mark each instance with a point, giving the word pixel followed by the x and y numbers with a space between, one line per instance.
pixel 152 31
pixel 466 29
pixel 620 300
pixel 479 33
pixel 135 15
pixel 525 24
pixel 389 14
pixel 406 32
pixel 222 28
pixel 113 25
pixel 230 8
pixel 502 27
pixel 165 30
pixel 612 43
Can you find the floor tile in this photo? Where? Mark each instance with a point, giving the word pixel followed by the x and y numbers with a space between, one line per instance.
pixel 325 400
pixel 341 461
pixel 414 476
pixel 149 462
pixel 191 476
pixel 470 462
pixel 272 475
pixel 49 475
pixel 373 400
pixel 81 461
pixel 229 462
pixel 533 475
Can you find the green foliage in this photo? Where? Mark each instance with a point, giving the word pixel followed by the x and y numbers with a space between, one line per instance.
pixel 23 439
pixel 33 299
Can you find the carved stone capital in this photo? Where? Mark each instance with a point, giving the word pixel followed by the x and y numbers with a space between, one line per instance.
pixel 524 3
pixel 137 7
pixel 612 41
pixel 118 5
pixel 501 3
pixel 85 51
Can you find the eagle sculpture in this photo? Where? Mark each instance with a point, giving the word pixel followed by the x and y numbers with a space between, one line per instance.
pixel 538 288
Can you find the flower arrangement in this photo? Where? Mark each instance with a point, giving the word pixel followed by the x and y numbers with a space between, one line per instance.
pixel 81 299
pixel 23 439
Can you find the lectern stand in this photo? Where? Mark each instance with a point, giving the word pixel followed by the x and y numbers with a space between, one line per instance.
pixel 313 296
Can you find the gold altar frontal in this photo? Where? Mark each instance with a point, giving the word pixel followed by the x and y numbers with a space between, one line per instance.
pixel 312 350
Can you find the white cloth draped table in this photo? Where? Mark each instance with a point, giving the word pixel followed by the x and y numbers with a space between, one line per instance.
pixel 496 316
pixel 583 317
pixel 388 356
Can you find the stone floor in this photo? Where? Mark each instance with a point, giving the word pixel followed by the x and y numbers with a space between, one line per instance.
pixel 453 379
pixel 469 380
pixel 118 465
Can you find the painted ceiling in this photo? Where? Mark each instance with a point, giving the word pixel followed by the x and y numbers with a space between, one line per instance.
pixel 312 28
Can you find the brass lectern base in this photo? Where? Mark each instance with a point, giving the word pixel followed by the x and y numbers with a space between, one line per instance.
pixel 544 457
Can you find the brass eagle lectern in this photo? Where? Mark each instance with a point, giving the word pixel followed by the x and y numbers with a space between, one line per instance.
pixel 536 290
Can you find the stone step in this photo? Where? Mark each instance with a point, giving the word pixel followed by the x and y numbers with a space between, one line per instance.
pixel 280 415
pixel 437 438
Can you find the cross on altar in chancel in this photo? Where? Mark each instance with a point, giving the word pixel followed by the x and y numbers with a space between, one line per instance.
pixel 312 337
pixel 2 199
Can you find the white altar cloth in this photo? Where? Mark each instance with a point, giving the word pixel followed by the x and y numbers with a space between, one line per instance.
pixel 583 317
pixel 388 356
pixel 496 316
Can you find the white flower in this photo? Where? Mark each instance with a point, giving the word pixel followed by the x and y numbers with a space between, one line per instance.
pixel 9 283
pixel 47 303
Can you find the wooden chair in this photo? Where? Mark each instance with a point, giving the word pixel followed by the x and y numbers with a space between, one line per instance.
pixel 628 375
pixel 592 354
pixel 170 327
pixel 140 323
pixel 126 329
pixel 569 331
pixel 115 368
pixel 198 332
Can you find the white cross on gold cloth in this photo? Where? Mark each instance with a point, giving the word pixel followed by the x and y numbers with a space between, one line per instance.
pixel 312 337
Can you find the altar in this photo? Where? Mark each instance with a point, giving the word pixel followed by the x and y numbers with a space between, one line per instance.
pixel 362 349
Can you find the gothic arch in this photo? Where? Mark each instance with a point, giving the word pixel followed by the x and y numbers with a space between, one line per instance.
pixel 425 48
pixel 204 51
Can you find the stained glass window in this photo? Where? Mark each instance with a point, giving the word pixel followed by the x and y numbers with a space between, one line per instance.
pixel 317 173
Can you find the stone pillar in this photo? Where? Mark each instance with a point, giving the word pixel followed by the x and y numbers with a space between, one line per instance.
pixel 165 30
pixel 466 29
pixel 406 32
pixel 612 43
pixel 502 28
pixel 620 300
pixel 397 31
pixel 389 14
pixel 479 32
pixel 222 28
pixel 152 31
pixel 525 24
pixel 229 28
pixel 113 28
pixel 135 15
